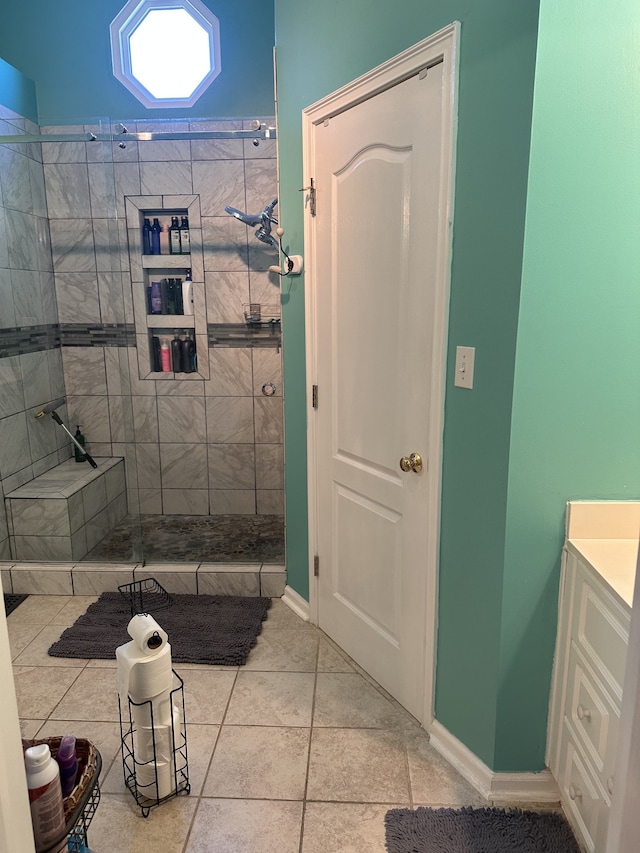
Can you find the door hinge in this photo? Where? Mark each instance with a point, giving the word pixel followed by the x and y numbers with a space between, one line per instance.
pixel 316 566
pixel 311 189
pixel 314 396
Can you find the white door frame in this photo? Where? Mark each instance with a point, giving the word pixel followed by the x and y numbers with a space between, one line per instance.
pixel 440 47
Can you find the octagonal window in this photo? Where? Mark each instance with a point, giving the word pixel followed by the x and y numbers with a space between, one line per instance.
pixel 166 52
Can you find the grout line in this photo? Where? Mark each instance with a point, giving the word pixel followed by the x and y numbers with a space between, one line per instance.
pixel 306 778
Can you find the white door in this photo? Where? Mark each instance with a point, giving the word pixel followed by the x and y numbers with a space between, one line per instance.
pixel 379 291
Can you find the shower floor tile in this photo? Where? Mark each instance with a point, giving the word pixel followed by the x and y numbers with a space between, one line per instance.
pixel 193 538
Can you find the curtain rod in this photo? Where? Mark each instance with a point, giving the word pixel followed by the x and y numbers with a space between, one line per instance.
pixel 142 136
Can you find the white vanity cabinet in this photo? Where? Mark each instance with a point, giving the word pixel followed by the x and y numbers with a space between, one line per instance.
pixel 593 633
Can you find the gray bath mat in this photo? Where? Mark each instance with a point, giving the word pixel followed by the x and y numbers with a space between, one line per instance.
pixel 210 629
pixel 470 830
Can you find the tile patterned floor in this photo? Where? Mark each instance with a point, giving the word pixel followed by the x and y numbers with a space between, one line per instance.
pixel 193 538
pixel 296 752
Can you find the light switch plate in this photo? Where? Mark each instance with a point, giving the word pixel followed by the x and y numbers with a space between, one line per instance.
pixel 465 358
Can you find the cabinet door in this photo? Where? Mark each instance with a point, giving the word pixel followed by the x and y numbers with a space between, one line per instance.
pixel 600 629
pixel 585 803
pixel 593 717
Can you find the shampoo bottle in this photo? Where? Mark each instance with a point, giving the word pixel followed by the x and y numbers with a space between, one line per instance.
pixel 45 797
pixel 165 357
pixel 188 354
pixel 156 358
pixel 185 236
pixel 80 457
pixel 146 237
pixel 187 294
pixel 174 236
pixel 176 354
pixel 155 236
pixel 68 764
pixel 164 240
pixel 156 298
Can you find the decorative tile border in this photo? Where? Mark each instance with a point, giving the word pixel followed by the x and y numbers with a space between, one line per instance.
pixel 19 340
pixel 97 335
pixel 27 339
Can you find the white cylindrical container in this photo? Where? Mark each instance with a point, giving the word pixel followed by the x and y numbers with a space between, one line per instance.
pixel 45 796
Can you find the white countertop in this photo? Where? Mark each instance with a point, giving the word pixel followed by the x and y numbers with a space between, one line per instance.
pixel 615 560
pixel 605 534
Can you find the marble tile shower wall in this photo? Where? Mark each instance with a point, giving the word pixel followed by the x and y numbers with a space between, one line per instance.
pixel 31 371
pixel 194 446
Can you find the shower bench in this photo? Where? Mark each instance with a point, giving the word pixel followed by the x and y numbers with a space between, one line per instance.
pixel 63 513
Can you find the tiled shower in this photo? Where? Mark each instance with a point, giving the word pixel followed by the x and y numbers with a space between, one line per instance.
pixel 72 304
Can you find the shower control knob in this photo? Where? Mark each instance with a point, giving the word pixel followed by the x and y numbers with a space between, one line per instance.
pixel 268 389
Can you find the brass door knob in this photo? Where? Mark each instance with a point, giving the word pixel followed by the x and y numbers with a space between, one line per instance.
pixel 411 463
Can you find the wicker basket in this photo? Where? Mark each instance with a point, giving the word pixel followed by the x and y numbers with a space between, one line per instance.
pixel 89 766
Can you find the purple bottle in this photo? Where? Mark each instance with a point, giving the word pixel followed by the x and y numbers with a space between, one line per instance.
pixel 68 763
pixel 156 298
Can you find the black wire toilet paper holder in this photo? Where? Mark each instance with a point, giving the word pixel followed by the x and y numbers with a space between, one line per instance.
pixel 131 763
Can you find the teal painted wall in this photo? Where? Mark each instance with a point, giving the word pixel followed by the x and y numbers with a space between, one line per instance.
pixel 65 48
pixel 17 92
pixel 320 47
pixel 576 409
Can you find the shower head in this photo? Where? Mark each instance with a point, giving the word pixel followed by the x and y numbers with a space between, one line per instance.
pixel 264 220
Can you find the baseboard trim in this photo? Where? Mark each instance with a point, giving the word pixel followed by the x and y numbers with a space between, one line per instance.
pixel 504 787
pixel 296 602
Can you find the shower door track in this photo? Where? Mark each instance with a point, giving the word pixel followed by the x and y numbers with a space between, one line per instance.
pixel 141 136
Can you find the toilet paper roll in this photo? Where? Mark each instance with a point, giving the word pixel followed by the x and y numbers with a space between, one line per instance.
pixel 154 712
pixel 146 780
pixel 142 676
pixel 157 741
pixel 147 634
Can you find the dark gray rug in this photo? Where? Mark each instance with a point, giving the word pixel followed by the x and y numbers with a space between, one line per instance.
pixel 210 629
pixel 471 830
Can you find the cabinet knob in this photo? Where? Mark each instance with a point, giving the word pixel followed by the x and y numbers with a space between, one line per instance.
pixel 583 713
pixel 574 793
pixel 610 784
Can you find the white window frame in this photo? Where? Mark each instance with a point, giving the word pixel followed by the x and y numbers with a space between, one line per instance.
pixel 125 24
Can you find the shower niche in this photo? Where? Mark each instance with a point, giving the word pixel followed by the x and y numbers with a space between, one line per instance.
pixel 169 299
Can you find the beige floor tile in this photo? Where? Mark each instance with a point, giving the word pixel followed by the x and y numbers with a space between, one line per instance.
pixel 38 609
pixel 118 825
pixel 201 741
pixel 36 653
pixel 206 694
pixel 94 696
pixel 29 728
pixel 271 699
pixel 20 635
pixel 284 650
pixel 344 828
pixel 347 700
pixel 73 609
pixel 281 615
pixel 40 688
pixel 433 780
pixel 331 659
pixel 357 765
pixel 246 826
pixel 259 762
